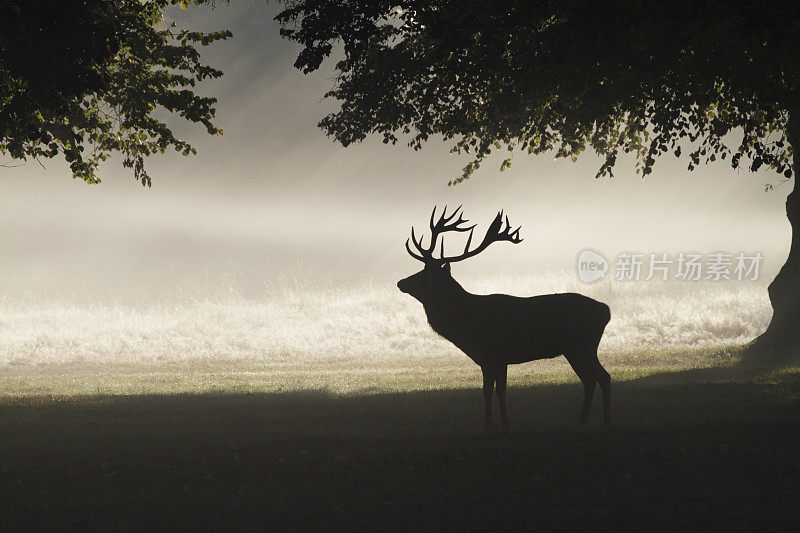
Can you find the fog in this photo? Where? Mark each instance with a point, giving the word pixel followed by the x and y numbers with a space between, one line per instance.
pixel 274 203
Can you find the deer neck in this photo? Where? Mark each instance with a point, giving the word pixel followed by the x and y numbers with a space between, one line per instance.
pixel 445 307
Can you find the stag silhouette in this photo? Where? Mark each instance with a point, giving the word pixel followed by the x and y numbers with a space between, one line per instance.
pixel 498 330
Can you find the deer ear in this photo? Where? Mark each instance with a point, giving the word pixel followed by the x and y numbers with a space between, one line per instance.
pixel 446 267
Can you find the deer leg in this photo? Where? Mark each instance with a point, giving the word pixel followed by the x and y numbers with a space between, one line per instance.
pixel 604 379
pixel 502 376
pixel 587 372
pixel 488 387
pixel 588 391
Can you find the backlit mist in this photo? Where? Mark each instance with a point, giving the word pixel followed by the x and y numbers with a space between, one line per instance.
pixel 273 206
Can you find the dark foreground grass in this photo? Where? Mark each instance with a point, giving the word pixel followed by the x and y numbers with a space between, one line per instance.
pixel 707 449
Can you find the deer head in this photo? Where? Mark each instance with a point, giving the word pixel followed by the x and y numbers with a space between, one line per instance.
pixel 435 277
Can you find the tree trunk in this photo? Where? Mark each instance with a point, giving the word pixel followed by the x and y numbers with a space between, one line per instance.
pixel 782 337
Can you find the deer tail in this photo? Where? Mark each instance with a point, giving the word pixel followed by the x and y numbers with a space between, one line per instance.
pixel 605 313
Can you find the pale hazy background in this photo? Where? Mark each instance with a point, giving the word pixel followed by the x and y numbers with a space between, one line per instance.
pixel 273 206
pixel 274 198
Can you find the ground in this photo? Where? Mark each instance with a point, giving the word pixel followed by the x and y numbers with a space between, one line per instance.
pixel 691 448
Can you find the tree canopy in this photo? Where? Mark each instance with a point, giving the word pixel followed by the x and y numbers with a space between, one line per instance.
pixel 645 78
pixel 92 78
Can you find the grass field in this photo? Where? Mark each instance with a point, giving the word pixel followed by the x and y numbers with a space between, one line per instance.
pixel 371 325
pixel 338 409
pixel 697 449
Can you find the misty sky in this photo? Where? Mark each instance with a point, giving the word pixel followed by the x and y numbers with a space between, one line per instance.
pixel 274 200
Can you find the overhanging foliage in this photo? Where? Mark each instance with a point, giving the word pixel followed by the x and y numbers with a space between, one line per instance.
pixel 645 78
pixel 88 79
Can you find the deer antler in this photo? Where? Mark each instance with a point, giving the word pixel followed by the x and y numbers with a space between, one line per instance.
pixel 498 231
pixel 444 224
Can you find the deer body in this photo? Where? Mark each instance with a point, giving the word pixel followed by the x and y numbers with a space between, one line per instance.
pixel 497 330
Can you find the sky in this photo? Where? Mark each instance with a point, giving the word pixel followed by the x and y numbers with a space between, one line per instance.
pixel 274 202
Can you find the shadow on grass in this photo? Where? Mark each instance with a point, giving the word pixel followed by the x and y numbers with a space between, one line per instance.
pixel 699 449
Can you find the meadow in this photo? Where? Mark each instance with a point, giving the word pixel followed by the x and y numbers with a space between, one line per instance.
pixel 367 336
pixel 337 408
